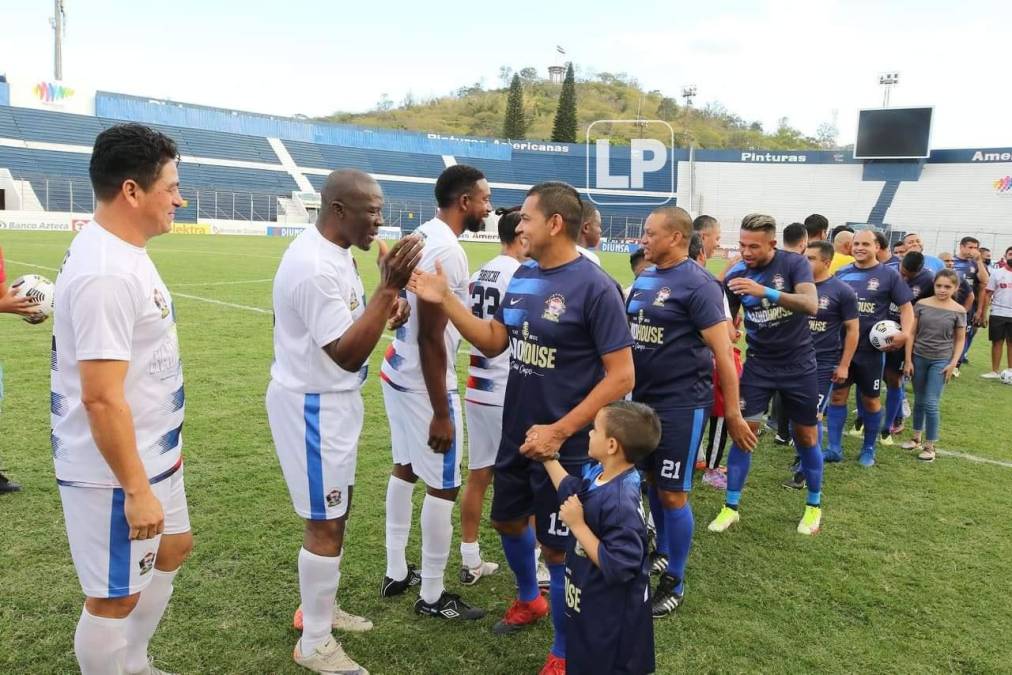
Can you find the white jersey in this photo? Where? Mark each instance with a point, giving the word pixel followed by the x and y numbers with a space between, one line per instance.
pixel 402 367
pixel 1000 284
pixel 588 254
pixel 486 382
pixel 111 304
pixel 317 296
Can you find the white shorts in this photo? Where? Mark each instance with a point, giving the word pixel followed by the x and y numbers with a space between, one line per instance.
pixel 109 564
pixel 410 414
pixel 484 431
pixel 316 438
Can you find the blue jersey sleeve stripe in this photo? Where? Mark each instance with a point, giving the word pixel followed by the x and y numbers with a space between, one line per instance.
pixel 513 317
pixel 526 286
pixel 314 462
pixel 119 547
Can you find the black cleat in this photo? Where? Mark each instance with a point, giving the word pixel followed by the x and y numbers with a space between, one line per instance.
pixel 665 599
pixel 7 485
pixel 392 587
pixel 796 481
pixel 780 440
pixel 658 562
pixel 449 606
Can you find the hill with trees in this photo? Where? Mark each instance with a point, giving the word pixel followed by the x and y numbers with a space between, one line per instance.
pixel 528 104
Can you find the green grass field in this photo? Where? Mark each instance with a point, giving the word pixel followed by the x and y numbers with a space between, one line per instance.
pixel 910 573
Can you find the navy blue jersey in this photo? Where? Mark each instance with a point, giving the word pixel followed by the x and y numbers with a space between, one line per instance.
pixel 921 285
pixel 967 269
pixel 894 262
pixel 773 332
pixel 876 287
pixel 668 309
pixel 560 322
pixel 837 303
pixel 609 628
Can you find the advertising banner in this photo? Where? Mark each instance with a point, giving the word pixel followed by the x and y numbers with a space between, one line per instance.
pixel 42 221
pixel 47 94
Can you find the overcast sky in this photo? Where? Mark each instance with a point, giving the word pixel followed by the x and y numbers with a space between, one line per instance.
pixel 806 60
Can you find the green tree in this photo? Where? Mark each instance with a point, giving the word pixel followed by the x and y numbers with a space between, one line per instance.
pixel 564 129
pixel 513 127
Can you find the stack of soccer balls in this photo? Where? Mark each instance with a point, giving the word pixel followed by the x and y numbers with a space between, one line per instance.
pixel 39 289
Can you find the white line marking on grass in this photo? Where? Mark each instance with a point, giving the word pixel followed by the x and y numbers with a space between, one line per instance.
pixel 230 254
pixel 259 310
pixel 222 283
pixel 973 458
pixel 38 267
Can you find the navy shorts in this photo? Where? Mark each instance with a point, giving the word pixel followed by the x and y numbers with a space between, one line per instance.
pixel 675 457
pixel 521 487
pixel 894 360
pixel 796 382
pixel 866 372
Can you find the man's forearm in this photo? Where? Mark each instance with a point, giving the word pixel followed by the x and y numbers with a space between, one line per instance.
pixel 850 340
pixel 481 333
pixel 432 352
pixel 806 303
pixel 357 343
pixel 112 427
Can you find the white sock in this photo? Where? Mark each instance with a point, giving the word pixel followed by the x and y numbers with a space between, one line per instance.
pixel 537 555
pixel 398 526
pixel 318 579
pixel 470 554
pixel 143 621
pixel 99 643
pixel 437 531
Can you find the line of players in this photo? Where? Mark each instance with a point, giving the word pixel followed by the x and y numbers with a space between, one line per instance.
pixel 575 346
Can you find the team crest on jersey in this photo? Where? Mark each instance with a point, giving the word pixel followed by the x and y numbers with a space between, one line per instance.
pixel 824 302
pixel 873 284
pixel 555 307
pixel 662 295
pixel 147 563
pixel 160 303
pixel 353 302
pixel 778 282
pixel 334 498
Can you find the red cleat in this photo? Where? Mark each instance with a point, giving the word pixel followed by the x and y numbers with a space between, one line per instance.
pixel 553 666
pixel 521 614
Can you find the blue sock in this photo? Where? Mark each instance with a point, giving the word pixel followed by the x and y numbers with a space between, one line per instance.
pixel 818 431
pixel 679 524
pixel 520 557
pixel 738 463
pixel 836 418
pixel 557 594
pixel 872 425
pixel 894 401
pixel 811 464
pixel 657 511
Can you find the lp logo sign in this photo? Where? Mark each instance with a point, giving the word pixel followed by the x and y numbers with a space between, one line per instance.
pixel 641 172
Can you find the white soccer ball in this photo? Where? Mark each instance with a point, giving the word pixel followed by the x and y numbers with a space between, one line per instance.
pixel 882 333
pixel 1006 376
pixel 41 290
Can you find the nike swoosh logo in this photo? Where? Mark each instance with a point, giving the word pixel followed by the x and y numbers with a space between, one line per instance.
pixel 514 301
pixel 636 295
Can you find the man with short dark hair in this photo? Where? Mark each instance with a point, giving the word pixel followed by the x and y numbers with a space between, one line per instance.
pixel 913 242
pixel 118 404
pixel 419 381
pixel 709 230
pixel 795 238
pixel 817 226
pixel 590 232
pixel 998 296
pixel 564 321
pixel 970 264
pixel 776 290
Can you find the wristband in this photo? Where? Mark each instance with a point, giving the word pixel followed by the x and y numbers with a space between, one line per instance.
pixel 772 294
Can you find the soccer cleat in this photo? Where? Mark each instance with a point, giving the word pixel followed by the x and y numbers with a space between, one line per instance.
pixel 811 522
pixel 328 657
pixel 469 576
pixel 343 621
pixel 448 606
pixel 521 614
pixel 7 485
pixel 887 439
pixel 715 478
pixel 700 464
pixel 543 575
pixel 152 670
pixel 991 376
pixel 832 456
pixel 725 519
pixel 856 431
pixel 867 458
pixel 658 562
pixel 553 666
pixel 392 587
pixel 780 440
pixel 665 599
pixel 796 481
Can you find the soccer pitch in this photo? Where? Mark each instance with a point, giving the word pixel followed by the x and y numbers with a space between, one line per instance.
pixel 910 573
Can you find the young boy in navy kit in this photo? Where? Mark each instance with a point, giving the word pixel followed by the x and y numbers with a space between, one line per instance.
pixel 609 627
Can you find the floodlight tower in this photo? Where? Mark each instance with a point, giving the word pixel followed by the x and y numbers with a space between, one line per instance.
pixel 888 81
pixel 688 93
pixel 59 28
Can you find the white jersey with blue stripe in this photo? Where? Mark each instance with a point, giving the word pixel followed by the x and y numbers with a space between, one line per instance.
pixel 317 296
pixel 111 304
pixel 486 381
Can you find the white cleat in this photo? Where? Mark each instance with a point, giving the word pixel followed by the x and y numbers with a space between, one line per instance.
pixel 469 576
pixel 725 519
pixel 328 658
pixel 544 576
pixel 349 623
pixel 991 376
